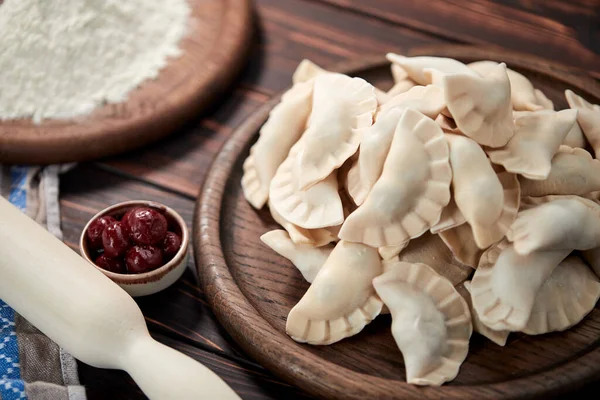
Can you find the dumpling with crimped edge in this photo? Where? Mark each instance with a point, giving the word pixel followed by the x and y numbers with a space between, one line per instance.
pixel 316 237
pixel 428 100
pixel 413 188
pixel 447 124
pixel 343 108
pixel 430 249
pixel 488 201
pixel 588 119
pixel 402 82
pixel 505 284
pixel 341 300
pixel 481 106
pixel 575 137
pixel 498 337
pixel 461 243
pixel 284 127
pixel 523 95
pixel 415 66
pixel 374 148
pixel 306 71
pixel 542 100
pixel 538 136
pixel 431 323
pixel 391 252
pixel 565 298
pixel 565 222
pixel 317 207
pixel 572 171
pixel 306 257
pixel 451 218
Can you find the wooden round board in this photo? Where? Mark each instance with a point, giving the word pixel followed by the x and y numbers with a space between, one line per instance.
pixel 213 52
pixel 252 289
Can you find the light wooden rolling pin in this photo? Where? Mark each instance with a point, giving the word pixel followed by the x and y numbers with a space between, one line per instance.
pixel 88 315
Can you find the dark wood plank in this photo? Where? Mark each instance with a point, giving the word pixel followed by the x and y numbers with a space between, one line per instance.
pixel 179 311
pixel 288 31
pixel 490 22
pixel 248 381
pixel 253 289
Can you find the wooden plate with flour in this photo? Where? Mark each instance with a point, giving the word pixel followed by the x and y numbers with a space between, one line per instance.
pixel 252 289
pixel 213 52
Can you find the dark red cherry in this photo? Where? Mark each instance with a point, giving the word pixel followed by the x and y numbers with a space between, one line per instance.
pixel 116 265
pixel 94 231
pixel 140 259
pixel 171 245
pixel 145 225
pixel 114 240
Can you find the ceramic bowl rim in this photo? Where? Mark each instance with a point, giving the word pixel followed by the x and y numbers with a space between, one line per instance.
pixel 146 277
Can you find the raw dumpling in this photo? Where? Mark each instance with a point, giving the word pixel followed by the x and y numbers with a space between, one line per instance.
pixel 430 249
pixel 341 299
pixel 400 87
pixel 431 323
pixel 317 207
pixel 542 100
pixel 284 127
pixel 451 218
pixel 588 118
pixel 537 138
pixel 480 106
pixel 570 223
pixel 428 100
pixel 415 66
pixel 572 171
pixel 306 71
pixel 575 137
pixel 523 95
pixel 488 201
pixel 343 108
pixel 316 237
pixel 306 257
pixel 565 298
pixel 505 285
pixel 402 82
pixel 373 150
pixel 413 188
pixel 447 124
pixel 498 337
pixel 461 243
pixel 390 252
pixel 398 73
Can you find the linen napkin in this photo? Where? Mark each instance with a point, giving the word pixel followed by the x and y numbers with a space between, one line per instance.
pixel 31 365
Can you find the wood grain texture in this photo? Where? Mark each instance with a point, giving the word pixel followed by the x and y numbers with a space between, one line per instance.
pixel 212 54
pixel 252 289
pixel 496 23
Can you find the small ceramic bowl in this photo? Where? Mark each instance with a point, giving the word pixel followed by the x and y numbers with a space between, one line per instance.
pixel 149 282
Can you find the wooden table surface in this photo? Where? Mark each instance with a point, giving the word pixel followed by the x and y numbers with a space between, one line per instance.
pixel 286 31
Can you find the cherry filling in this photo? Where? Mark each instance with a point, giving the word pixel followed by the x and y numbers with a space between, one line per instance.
pixel 138 243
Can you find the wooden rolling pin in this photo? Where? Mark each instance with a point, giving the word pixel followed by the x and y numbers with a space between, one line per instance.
pixel 90 316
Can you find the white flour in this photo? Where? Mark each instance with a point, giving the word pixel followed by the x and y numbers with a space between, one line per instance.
pixel 63 58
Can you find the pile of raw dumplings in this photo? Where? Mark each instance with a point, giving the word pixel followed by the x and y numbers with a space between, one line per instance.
pixel 391 202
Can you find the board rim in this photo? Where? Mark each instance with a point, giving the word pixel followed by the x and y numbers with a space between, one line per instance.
pixel 22 142
pixel 286 358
